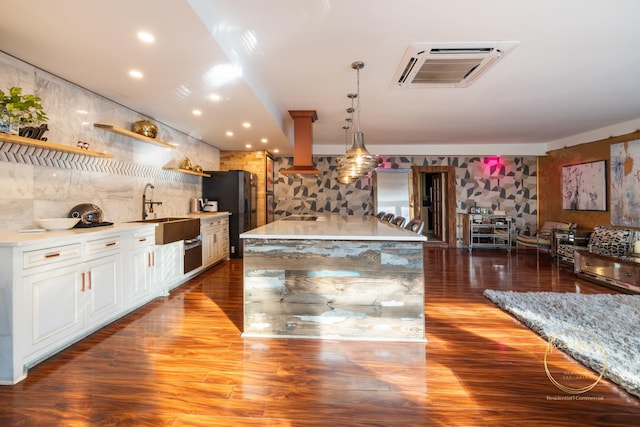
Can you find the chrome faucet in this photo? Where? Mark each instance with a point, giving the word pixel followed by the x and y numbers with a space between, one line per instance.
pixel 149 202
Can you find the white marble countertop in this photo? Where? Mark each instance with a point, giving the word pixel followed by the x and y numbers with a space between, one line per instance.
pixel 59 237
pixel 332 227
pixel 17 238
pixel 205 215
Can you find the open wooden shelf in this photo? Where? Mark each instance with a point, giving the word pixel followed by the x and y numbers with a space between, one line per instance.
pixel 130 134
pixel 190 172
pixel 30 142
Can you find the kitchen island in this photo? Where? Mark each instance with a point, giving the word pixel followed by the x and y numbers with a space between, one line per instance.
pixel 333 276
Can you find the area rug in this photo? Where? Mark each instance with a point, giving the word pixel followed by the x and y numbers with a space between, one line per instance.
pixel 614 320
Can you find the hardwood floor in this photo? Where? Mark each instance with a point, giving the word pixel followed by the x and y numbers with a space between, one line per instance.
pixel 180 361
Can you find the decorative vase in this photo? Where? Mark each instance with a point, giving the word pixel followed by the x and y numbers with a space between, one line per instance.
pixel 146 128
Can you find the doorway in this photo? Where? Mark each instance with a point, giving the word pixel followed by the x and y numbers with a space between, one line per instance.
pixel 433 201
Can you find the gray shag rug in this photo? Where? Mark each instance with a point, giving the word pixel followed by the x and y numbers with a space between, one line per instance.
pixel 614 320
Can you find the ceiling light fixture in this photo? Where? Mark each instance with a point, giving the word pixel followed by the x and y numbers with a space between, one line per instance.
pixel 146 37
pixel 357 161
pixel 136 74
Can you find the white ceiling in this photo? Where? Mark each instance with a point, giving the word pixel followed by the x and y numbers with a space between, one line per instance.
pixel 575 71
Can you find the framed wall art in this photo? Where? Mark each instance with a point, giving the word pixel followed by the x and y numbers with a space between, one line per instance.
pixel 584 186
pixel 625 183
pixel 269 180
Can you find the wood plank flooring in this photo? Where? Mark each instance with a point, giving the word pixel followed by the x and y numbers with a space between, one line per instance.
pixel 180 361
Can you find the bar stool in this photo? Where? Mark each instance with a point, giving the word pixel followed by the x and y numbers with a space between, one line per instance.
pixel 416 225
pixel 399 221
pixel 388 217
pixel 379 215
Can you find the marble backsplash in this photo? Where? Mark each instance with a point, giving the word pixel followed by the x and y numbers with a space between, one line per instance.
pixel 43 183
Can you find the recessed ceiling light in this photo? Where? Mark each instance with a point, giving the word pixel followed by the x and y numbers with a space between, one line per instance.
pixel 229 133
pixel 264 140
pixel 215 97
pixel 246 125
pixel 248 145
pixel 197 112
pixel 276 151
pixel 146 37
pixel 136 74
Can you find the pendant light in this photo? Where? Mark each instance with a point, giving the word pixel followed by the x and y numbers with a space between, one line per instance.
pixel 357 161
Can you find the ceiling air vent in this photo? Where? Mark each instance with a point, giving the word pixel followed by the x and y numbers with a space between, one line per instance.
pixel 449 64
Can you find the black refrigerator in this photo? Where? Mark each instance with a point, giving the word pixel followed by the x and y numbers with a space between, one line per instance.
pixel 236 192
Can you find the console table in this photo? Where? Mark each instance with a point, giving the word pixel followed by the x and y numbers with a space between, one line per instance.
pixel 620 273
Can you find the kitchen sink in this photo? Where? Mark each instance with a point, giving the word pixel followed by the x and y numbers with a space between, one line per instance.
pixel 170 229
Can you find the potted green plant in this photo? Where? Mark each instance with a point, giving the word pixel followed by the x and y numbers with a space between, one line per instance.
pixel 18 110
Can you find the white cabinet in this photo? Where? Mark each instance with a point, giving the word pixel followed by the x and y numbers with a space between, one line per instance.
pixel 141 268
pixel 172 267
pixel 58 287
pixel 215 240
pixel 63 302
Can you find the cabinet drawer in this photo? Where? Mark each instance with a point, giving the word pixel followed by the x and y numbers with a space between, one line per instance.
pixel 50 255
pixel 596 266
pixel 102 245
pixel 625 273
pixel 143 241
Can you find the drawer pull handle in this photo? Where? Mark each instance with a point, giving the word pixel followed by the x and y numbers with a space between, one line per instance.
pixel 588 264
pixel 144 239
pixel 89 279
pixel 628 274
pixel 52 255
pixel 111 244
pixel 82 289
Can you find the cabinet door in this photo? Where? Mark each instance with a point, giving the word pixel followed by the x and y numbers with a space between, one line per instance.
pixel 103 294
pixel 53 308
pixel 224 240
pixel 208 246
pixel 141 275
pixel 171 265
pixel 217 244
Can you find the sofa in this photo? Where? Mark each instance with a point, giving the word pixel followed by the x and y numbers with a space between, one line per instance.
pixel 542 239
pixel 602 240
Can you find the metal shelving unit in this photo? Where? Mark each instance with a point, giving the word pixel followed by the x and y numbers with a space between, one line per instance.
pixel 489 231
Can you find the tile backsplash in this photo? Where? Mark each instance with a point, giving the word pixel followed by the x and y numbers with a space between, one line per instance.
pixel 40 183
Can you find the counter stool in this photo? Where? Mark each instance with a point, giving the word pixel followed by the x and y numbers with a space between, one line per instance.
pixel 416 225
pixel 399 221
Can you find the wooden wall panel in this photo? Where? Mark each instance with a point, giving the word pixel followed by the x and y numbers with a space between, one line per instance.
pixel 550 181
pixel 252 161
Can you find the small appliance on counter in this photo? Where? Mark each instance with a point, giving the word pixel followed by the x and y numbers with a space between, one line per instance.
pixel 196 205
pixel 90 215
pixel 211 206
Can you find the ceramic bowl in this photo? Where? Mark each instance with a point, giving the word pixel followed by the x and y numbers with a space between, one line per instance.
pixel 57 223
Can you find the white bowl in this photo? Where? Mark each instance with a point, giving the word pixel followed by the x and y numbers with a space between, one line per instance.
pixel 57 223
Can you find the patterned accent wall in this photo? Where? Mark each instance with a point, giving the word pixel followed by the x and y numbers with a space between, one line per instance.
pixel 504 183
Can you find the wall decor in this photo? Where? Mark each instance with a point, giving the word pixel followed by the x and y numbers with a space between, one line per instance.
pixel 270 181
pixel 625 183
pixel 584 186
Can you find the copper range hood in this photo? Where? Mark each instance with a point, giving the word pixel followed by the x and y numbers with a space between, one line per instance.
pixel 302 141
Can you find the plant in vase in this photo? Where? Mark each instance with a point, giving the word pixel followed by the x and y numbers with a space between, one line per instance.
pixel 18 110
